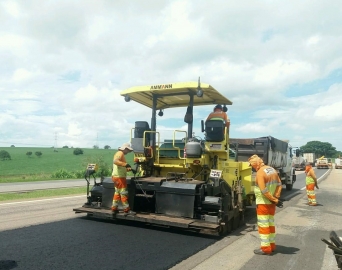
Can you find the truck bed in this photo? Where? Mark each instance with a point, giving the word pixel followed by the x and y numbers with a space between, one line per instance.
pixel 273 151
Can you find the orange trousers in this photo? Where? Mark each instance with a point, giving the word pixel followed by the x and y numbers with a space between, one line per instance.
pixel 266 228
pixel 120 194
pixel 310 192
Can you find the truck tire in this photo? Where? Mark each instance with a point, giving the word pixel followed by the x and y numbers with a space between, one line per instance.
pixel 289 186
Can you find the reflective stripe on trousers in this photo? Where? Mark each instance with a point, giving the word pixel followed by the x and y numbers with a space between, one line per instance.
pixel 120 194
pixel 310 192
pixel 266 228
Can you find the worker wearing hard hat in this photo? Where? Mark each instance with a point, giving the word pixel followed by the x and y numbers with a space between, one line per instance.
pixel 267 192
pixel 120 168
pixel 311 183
pixel 219 114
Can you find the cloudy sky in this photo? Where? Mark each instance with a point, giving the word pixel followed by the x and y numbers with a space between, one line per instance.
pixel 64 64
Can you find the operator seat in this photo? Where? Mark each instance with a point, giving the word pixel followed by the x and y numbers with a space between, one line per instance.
pixel 138 143
pixel 214 130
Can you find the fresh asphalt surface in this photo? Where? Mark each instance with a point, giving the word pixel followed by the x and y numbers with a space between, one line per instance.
pixel 46 234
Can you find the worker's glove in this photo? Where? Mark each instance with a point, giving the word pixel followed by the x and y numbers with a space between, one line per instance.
pixel 128 166
pixel 316 186
pixel 279 204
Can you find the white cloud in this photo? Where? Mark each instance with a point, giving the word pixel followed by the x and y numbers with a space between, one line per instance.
pixel 64 65
pixel 74 130
pixel 254 128
pixel 12 8
pixel 313 40
pixel 21 74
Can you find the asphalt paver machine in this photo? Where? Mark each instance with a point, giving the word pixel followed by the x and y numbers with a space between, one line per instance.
pixel 181 179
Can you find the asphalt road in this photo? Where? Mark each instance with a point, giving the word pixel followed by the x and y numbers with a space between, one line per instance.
pixel 299 229
pixel 299 185
pixel 46 234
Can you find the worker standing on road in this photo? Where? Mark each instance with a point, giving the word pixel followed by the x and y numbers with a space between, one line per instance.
pixel 120 168
pixel 311 183
pixel 267 192
pixel 219 114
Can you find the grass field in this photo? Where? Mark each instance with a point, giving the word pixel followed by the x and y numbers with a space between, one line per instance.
pixel 24 168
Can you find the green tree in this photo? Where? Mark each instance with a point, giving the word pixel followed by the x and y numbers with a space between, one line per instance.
pixel 38 153
pixel 29 153
pixel 78 151
pixel 12 145
pixel 107 147
pixel 4 155
pixel 65 146
pixel 319 148
pixel 96 147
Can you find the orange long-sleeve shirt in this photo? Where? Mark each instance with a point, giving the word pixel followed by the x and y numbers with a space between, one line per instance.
pixel 219 115
pixel 268 185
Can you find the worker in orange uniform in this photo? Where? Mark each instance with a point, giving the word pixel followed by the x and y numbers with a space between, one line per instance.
pixel 311 183
pixel 120 168
pixel 267 192
pixel 219 114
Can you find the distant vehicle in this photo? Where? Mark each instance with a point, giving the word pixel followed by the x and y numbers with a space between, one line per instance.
pixel 322 163
pixel 310 158
pixel 338 163
pixel 298 163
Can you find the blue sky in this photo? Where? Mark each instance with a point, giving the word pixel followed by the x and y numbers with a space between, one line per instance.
pixel 64 65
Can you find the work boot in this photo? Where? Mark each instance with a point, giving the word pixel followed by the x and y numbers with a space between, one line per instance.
pixel 115 210
pixel 130 212
pixel 260 252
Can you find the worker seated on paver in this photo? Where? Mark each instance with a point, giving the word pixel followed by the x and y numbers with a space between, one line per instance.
pixel 219 114
pixel 216 123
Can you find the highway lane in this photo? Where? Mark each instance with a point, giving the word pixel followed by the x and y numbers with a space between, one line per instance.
pixel 299 228
pixel 46 234
pixel 299 185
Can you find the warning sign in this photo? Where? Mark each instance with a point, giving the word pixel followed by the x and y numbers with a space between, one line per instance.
pixel 215 173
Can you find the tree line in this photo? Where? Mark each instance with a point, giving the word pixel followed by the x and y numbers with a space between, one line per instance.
pixel 320 149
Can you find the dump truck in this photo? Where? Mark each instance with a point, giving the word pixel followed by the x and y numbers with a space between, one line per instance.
pixel 310 158
pixel 322 163
pixel 182 180
pixel 338 163
pixel 274 152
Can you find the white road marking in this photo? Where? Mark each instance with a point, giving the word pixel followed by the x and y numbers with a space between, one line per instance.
pixel 317 179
